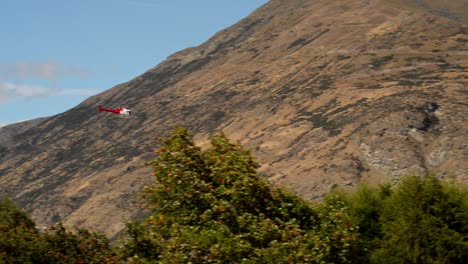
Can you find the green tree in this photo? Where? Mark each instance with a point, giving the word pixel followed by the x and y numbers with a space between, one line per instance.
pixel 211 207
pixel 365 206
pixel 424 221
pixel 12 216
pixel 21 242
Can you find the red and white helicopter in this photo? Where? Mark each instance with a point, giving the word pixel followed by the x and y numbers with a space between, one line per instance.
pixel 123 112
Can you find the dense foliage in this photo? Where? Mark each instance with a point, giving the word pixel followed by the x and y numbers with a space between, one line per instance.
pixel 422 220
pixel 210 206
pixel 11 216
pixel 21 242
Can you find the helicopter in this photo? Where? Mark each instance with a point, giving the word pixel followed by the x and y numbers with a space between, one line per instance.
pixel 123 112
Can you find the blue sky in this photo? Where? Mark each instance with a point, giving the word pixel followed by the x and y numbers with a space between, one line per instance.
pixel 56 53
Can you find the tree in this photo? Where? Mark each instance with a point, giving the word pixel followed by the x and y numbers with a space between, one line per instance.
pixel 12 216
pixel 21 242
pixel 211 207
pixel 424 221
pixel 365 206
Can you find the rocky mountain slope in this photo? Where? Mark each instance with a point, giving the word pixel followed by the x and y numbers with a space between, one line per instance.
pixel 325 93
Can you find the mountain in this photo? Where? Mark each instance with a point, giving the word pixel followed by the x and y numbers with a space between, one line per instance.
pixel 325 93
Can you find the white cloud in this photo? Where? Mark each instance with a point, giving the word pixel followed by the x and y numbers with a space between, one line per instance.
pixel 48 70
pixel 84 92
pixel 11 90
